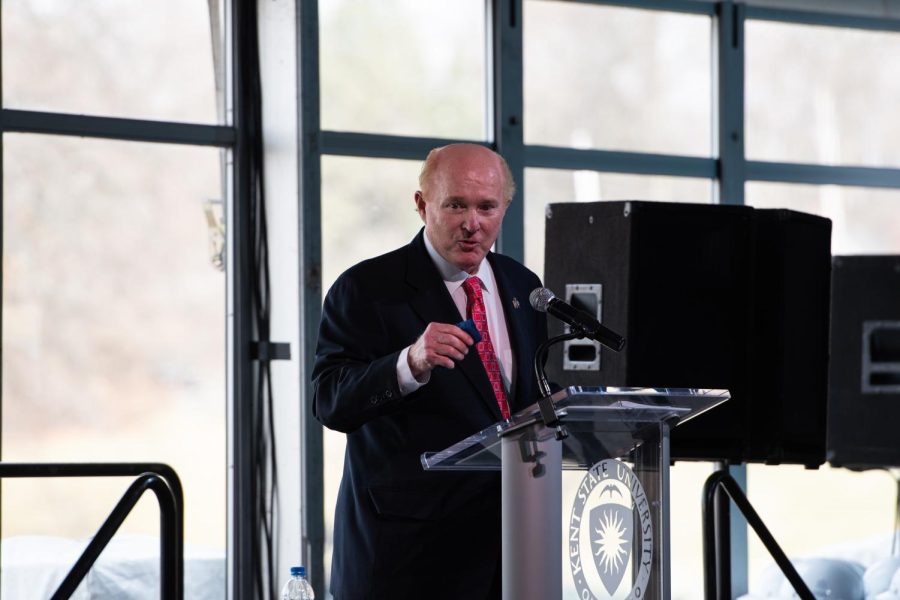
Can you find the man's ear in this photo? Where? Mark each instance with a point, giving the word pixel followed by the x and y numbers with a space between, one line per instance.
pixel 420 205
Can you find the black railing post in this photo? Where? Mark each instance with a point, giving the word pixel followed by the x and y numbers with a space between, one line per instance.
pixel 159 478
pixel 718 483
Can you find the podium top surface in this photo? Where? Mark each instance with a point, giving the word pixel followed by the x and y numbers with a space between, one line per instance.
pixel 602 422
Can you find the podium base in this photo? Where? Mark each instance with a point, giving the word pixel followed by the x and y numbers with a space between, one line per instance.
pixel 532 527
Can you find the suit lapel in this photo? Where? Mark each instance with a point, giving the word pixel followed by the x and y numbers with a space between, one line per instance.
pixel 430 299
pixel 432 302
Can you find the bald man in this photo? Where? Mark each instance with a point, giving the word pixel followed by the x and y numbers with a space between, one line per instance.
pixel 395 373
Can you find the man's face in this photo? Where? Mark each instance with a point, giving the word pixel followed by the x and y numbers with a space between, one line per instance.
pixel 463 205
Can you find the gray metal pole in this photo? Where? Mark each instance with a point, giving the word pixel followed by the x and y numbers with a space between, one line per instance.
pixel 310 167
pixel 532 522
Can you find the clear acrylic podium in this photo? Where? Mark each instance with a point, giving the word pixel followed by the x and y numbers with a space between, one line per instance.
pixel 616 513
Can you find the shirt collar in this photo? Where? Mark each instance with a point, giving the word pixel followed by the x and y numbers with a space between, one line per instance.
pixel 452 275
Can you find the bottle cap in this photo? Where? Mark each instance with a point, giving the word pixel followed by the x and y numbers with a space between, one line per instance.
pixel 301 571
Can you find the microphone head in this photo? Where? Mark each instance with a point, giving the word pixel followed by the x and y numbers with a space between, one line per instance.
pixel 540 298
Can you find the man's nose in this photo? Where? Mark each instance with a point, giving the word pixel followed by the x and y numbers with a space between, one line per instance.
pixel 472 223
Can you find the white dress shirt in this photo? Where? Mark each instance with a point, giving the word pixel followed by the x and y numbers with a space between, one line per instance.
pixel 496 319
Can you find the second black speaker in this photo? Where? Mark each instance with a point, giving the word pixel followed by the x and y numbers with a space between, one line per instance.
pixel 708 296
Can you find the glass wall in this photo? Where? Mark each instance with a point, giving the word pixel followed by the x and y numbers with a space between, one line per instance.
pixel 616 78
pixel 148 60
pixel 113 286
pixel 113 326
pixel 627 92
pixel 367 209
pixel 830 101
pixel 421 71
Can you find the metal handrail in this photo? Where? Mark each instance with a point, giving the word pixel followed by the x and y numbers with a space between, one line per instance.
pixel 158 477
pixel 716 551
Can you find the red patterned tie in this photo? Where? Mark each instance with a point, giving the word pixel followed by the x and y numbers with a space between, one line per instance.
pixel 475 311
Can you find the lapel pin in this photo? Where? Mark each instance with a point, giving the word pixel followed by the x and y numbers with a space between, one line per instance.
pixel 515 302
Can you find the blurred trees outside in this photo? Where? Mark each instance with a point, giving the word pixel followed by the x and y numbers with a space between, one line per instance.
pixel 113 311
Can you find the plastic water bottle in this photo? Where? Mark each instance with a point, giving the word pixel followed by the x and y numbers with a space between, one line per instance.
pixel 298 586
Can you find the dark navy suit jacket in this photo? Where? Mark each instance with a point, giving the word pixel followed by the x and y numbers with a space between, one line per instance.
pixel 401 531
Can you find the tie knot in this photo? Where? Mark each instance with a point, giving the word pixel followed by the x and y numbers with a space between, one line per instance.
pixel 472 285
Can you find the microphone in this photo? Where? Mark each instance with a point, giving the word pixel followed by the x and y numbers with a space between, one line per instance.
pixel 543 300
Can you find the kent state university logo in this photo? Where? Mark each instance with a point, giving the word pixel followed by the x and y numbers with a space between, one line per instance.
pixel 610 544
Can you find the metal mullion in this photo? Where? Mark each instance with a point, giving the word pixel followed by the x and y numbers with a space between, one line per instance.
pixel 311 142
pixel 549 157
pixel 135 130
pixel 697 7
pixel 728 95
pixel 826 19
pixel 506 112
pixel 823 174
pixel 728 142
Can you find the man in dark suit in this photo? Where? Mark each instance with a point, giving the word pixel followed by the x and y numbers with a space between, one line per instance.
pixel 396 374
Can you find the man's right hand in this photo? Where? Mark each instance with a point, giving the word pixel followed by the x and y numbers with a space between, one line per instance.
pixel 439 346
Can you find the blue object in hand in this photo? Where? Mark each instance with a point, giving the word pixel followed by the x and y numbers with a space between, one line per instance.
pixel 469 327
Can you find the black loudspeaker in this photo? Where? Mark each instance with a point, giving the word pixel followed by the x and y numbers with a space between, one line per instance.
pixel 789 361
pixel 704 295
pixel 864 382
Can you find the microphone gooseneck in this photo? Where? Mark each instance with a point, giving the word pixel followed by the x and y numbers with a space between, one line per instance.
pixel 583 325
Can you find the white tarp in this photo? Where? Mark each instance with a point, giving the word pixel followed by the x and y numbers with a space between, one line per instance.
pixel 128 569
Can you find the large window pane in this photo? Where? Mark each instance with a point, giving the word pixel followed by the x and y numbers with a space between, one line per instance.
pixel 547 186
pixel 864 220
pixel 113 333
pixel 367 209
pixel 616 78
pixel 404 67
pixel 686 527
pixel 128 58
pixel 828 512
pixel 832 99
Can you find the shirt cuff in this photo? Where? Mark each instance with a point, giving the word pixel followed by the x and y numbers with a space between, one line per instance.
pixel 408 383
